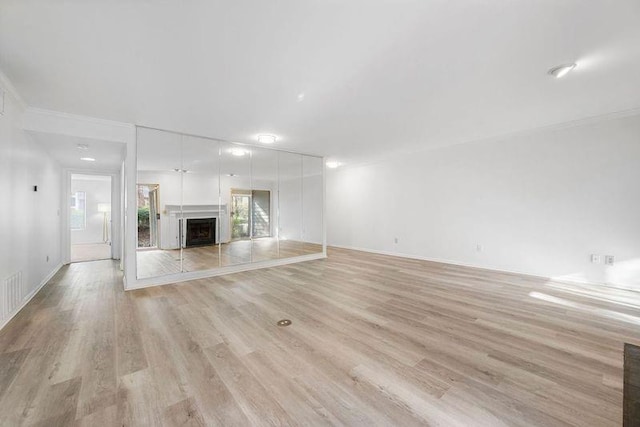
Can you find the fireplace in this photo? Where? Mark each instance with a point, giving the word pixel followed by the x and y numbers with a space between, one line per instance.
pixel 200 232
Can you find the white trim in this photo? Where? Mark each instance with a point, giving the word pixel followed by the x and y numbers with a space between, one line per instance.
pixel 86 119
pixel 324 206
pixel 31 295
pixel 10 89
pixel 130 208
pixel 54 122
pixel 203 274
pixel 500 136
pixel 116 219
pixel 484 267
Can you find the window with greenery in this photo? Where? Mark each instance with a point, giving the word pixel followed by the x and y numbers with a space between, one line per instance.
pixel 78 211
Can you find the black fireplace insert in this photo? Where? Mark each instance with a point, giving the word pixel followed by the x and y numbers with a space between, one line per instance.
pixel 200 232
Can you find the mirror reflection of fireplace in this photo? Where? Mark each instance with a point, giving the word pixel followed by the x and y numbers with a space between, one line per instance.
pixel 199 232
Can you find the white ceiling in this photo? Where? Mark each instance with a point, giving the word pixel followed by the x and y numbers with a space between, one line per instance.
pixel 377 75
pixel 64 149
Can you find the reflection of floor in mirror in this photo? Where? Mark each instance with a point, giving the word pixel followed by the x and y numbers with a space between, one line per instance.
pixel 90 252
pixel 152 263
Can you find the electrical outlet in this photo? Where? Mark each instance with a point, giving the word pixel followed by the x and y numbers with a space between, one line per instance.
pixel 595 259
pixel 609 259
pixel 47 258
pixel 395 240
pixel 478 248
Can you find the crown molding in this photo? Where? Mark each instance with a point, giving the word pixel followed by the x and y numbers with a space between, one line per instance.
pixel 48 121
pixel 7 86
pixel 584 121
pixel 77 117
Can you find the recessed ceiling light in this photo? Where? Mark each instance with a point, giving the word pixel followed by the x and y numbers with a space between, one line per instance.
pixel 88 159
pixel 561 70
pixel 267 139
pixel 83 146
pixel 239 152
pixel 301 97
pixel 333 164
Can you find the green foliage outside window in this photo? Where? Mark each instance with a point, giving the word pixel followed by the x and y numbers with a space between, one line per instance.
pixel 143 216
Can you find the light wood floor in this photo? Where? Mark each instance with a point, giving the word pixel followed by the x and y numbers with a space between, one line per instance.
pixel 375 340
pixel 90 252
pixel 160 262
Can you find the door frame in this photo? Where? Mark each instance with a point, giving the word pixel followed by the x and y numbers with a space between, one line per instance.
pixel 116 220
pixel 249 192
pixel 239 192
pixel 158 232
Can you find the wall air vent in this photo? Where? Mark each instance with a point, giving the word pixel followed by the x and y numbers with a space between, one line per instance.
pixel 12 294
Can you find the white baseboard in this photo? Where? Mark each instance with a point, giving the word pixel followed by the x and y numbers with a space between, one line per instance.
pixel 483 267
pixel 31 295
pixel 130 285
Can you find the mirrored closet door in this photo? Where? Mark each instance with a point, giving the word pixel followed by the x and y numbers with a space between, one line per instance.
pixel 159 203
pixel 205 204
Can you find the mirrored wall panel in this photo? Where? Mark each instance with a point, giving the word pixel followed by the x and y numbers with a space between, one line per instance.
pixel 203 217
pixel 235 192
pixel 312 204
pixel 290 204
pixel 159 197
pixel 205 204
pixel 264 196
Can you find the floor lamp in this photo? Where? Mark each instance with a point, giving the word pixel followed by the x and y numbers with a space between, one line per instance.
pixel 105 208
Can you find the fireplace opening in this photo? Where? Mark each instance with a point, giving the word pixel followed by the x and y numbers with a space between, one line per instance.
pixel 200 232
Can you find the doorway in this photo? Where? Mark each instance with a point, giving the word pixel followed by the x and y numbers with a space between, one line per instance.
pixel 148 215
pixel 250 214
pixel 90 217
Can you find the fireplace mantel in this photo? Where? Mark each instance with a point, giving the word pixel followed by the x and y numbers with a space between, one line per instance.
pixel 175 227
pixel 213 210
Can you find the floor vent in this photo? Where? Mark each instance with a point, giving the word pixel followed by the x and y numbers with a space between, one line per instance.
pixel 12 294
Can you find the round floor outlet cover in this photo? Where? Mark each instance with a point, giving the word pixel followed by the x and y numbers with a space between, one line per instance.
pixel 284 322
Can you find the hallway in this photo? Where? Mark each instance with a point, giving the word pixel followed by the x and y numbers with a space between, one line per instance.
pixel 90 252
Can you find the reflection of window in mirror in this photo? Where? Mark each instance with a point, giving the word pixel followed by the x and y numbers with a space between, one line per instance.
pixel 148 215
pixel 250 214
pixel 78 212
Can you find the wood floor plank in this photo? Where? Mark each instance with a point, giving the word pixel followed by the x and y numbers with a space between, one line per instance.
pixel 375 340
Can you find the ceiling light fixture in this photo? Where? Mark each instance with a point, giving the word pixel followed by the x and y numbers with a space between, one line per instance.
pixel 83 146
pixel 333 164
pixel 267 139
pixel 239 152
pixel 561 70
pixel 88 159
pixel 301 97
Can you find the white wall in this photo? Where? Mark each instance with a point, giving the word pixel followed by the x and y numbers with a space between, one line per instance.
pixel 29 221
pixel 539 203
pixel 98 190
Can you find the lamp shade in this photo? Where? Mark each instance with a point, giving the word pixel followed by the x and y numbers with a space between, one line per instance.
pixel 104 207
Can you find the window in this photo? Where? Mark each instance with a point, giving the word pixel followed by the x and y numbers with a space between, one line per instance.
pixel 250 214
pixel 78 212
